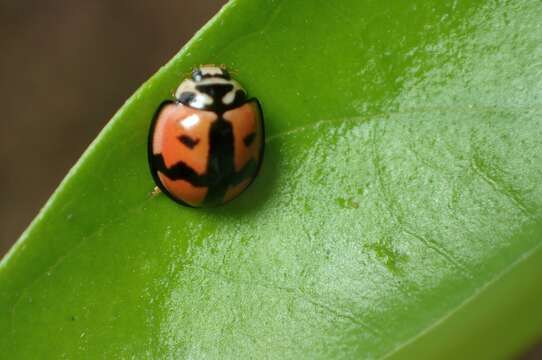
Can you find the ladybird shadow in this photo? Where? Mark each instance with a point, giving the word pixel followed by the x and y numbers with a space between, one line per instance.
pixel 259 191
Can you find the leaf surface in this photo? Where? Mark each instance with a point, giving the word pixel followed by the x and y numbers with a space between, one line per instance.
pixel 398 212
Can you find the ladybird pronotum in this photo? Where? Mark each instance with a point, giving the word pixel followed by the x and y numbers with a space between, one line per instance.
pixel 206 146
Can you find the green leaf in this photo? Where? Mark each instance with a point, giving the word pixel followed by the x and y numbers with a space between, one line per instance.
pixel 398 212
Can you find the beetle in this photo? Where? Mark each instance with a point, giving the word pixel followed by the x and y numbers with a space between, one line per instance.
pixel 206 146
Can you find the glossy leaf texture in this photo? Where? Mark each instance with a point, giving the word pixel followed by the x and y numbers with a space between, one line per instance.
pixel 398 212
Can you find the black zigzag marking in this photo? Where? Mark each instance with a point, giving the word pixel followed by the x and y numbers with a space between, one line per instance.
pixel 179 171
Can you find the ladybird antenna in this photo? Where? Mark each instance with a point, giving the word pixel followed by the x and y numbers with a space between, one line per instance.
pixel 188 74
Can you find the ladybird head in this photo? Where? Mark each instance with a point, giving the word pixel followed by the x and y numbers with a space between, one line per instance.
pixel 210 88
pixel 210 71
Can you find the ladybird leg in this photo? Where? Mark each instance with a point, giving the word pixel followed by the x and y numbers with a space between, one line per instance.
pixel 233 71
pixel 155 192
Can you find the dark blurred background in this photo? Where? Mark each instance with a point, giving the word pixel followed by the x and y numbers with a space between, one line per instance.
pixel 65 68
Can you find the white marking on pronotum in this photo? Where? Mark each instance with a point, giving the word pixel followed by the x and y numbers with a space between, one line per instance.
pixel 200 99
pixel 230 95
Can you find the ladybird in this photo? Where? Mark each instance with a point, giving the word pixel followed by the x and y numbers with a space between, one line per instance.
pixel 206 146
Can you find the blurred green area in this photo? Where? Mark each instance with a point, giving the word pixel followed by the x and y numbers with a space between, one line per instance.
pixel 88 74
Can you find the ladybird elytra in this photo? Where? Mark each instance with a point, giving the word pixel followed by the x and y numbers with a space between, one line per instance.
pixel 206 145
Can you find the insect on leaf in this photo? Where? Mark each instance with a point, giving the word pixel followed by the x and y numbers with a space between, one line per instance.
pixel 397 214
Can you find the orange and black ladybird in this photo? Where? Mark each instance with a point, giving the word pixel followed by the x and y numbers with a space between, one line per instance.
pixel 206 146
